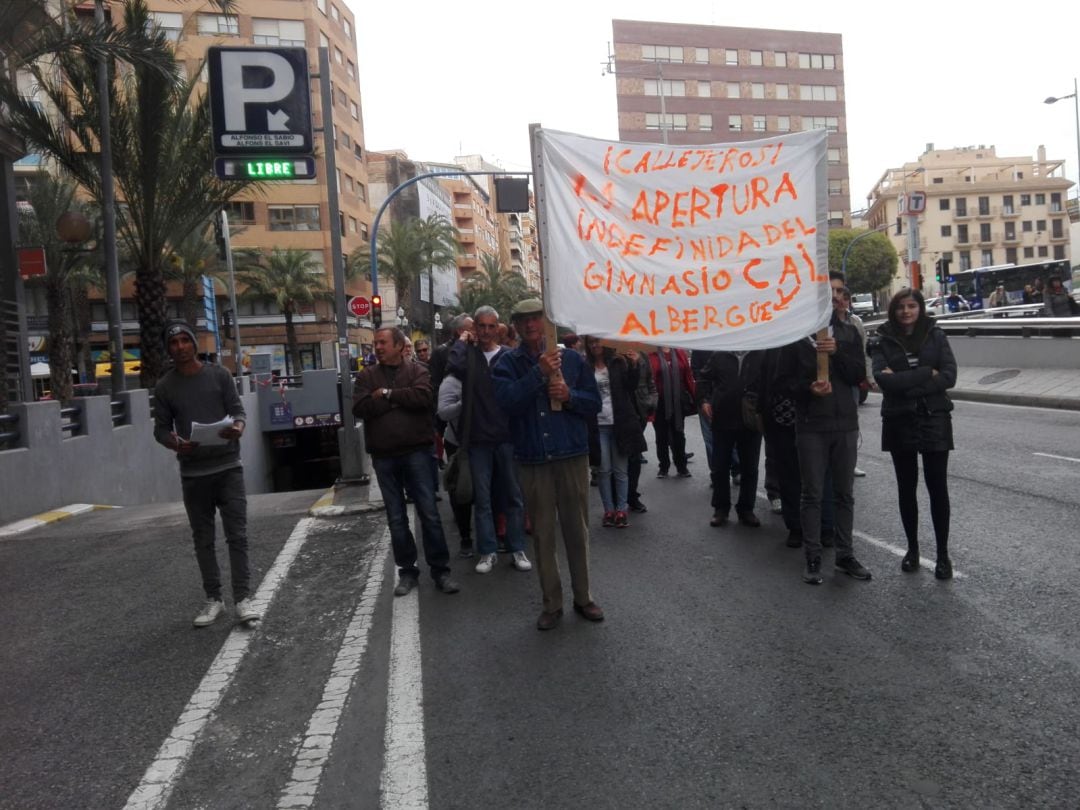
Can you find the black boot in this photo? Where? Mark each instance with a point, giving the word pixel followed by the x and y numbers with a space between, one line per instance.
pixel 910 562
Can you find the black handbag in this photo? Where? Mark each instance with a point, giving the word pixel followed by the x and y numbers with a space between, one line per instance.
pixel 457 477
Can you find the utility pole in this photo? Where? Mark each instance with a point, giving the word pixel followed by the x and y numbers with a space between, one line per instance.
pixel 239 368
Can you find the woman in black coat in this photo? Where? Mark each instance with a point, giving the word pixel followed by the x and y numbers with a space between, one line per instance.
pixel 914 367
pixel 615 433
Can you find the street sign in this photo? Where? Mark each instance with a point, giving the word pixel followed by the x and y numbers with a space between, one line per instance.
pixel 260 101
pixel 32 262
pixel 359 306
pixel 265 168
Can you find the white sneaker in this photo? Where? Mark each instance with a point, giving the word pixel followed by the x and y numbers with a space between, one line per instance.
pixel 776 506
pixel 246 610
pixel 860 473
pixel 521 562
pixel 487 562
pixel 211 610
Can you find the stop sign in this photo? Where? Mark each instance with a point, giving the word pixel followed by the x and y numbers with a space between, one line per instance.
pixel 359 306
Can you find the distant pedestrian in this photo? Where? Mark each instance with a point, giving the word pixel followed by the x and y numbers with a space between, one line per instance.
pixel 914 367
pixel 423 351
pixel 998 298
pixel 1057 302
pixel 395 401
pixel 617 429
pixel 675 401
pixel 551 448
pixel 645 407
pixel 211 476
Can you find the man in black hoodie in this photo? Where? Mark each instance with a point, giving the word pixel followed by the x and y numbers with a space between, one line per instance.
pixel 827 437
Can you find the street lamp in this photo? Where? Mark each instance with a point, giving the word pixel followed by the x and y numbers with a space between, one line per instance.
pixel 1076 103
pixel 436 328
pixel 660 88
pixel 403 322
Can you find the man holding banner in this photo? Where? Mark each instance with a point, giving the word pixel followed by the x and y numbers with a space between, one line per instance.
pixel 551 447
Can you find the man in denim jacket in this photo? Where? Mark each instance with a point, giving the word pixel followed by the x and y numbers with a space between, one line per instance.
pixel 552 453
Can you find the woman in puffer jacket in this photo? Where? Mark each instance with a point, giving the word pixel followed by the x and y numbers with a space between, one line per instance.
pixel 914 367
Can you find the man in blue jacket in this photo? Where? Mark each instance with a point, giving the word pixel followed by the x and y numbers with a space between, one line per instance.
pixel 551 448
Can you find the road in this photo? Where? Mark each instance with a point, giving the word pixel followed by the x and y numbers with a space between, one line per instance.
pixel 718 680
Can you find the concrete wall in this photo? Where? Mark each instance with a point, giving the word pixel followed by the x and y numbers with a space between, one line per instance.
pixel 1016 352
pixel 102 464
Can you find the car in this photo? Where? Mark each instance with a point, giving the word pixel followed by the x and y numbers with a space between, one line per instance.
pixel 862 304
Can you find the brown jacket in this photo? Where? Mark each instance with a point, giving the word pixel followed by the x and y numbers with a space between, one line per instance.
pixel 401 424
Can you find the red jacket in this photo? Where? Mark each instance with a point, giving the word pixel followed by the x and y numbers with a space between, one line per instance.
pixel 685 374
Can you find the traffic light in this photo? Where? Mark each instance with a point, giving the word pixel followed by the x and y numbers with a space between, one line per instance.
pixel 376 310
pixel 939 275
pixel 227 324
pixel 219 236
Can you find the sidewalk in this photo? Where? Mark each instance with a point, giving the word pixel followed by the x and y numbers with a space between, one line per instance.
pixel 1036 387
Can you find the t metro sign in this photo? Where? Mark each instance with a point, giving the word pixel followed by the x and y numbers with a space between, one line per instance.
pixel 260 101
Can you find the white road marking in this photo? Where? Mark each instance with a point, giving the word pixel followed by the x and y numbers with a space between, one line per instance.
pixel 404 784
pixel 1061 458
pixel 160 778
pixel 314 751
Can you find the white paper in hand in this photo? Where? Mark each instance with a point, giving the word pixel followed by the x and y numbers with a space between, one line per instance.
pixel 210 435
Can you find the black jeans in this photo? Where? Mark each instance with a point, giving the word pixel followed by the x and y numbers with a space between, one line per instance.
pixel 820 454
pixel 669 442
pixel 936 470
pixel 223 491
pixel 412 473
pixel 748 443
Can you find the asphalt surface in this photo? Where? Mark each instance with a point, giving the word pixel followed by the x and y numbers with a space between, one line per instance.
pixel 719 679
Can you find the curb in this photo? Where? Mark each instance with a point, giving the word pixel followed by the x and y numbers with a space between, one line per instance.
pixel 52 516
pixel 325 506
pixel 1026 400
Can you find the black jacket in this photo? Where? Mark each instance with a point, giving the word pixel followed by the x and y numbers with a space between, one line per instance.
pixel 626 422
pixel 909 390
pixel 798 369
pixel 724 381
pixel 490 424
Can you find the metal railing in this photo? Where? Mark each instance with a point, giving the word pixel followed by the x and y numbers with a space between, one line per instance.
pixel 9 430
pixel 1020 320
pixel 70 420
pixel 118 407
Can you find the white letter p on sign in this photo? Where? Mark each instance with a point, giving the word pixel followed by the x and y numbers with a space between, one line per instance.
pixel 237 97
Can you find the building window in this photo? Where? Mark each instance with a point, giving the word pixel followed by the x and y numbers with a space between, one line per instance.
pixel 1056 229
pixel 1040 225
pixel 1043 251
pixel 817 61
pixel 1010 231
pixel 701 56
pixel 321 5
pixel 358 152
pixel 987 258
pixel 350 184
pixel 1010 255
pixel 335 13
pixel 829 122
pixel 350 69
pixel 665 88
pixel 1059 251
pixel 324 41
pixel 705 122
pixel 783 123
pixel 817 92
pixel 1055 203
pixel 756 58
pixel 946 230
pixel 1007 204
pixel 1029 253
pixel 731 57
pixel 222 25
pixel 672 121
pixel 782 92
pixel 759 123
pixel 364 232
pixel 962 234
pixel 961 206
pixel 780 58
pixel 836 188
pixel 704 90
pixel 965 259
pixel 346 141
pixel 352 224
pixel 661 53
pixel 943 204
pixel 734 123
pixel 294 217
pixel 241 213
pixel 1025 199
pixel 984 206
pixel 1025 226
pixel 348 28
pixel 836 218
pixel 339 57
pixel 171 23
pixel 354 111
pixel 984 231
pixel 757 90
pixel 283 33
pixel 1040 199
pixel 834 156
pixel 361 191
pixel 732 89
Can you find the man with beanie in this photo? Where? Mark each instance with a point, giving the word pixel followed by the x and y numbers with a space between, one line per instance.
pixel 212 477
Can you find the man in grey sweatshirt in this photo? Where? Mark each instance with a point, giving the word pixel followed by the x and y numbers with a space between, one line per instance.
pixel 211 476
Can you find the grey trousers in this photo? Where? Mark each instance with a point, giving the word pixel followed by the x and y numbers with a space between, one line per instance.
pixel 833 451
pixel 223 491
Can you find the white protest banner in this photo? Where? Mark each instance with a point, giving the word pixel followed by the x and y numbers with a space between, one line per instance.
pixel 720 247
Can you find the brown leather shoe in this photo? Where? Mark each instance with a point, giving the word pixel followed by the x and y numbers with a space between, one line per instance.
pixel 591 611
pixel 548 621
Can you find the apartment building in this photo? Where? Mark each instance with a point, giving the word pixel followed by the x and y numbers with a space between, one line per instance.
pixel 700 84
pixel 981 209
pixel 291 214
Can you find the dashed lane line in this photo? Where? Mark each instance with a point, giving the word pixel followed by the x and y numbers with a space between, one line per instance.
pixel 161 777
pixel 1059 458
pixel 314 750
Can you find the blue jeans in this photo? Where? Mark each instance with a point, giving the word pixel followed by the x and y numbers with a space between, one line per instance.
pixel 495 488
pixel 612 466
pixel 412 473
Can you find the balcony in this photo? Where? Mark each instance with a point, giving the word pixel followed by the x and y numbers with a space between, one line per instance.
pixel 1059 237
pixel 989 240
pixel 965 214
pixel 1008 212
pixel 987 213
pixel 1011 238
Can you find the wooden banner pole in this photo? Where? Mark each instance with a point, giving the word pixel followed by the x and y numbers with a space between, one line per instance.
pixel 822 358
pixel 551 335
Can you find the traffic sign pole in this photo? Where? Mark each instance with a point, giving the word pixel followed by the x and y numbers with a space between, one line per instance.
pixel 352 456
pixel 232 292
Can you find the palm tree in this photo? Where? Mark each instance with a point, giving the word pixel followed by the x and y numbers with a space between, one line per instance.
pixel 494 287
pixel 407 249
pixel 49 198
pixel 194 257
pixel 293 280
pixel 161 151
